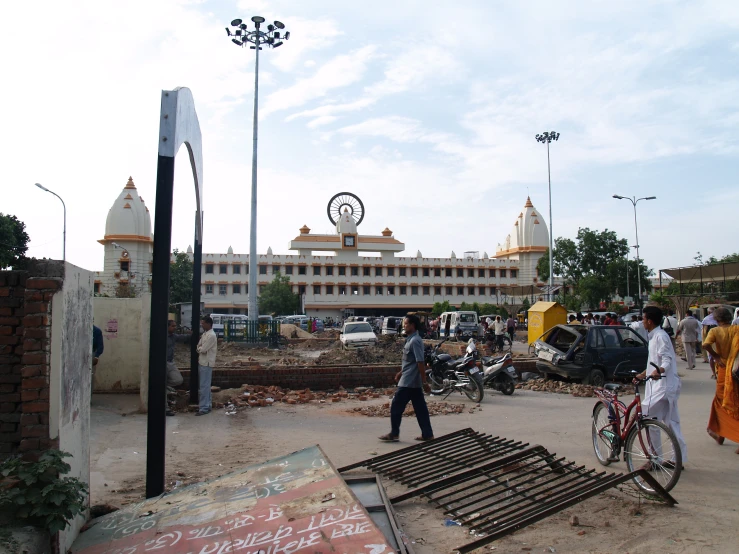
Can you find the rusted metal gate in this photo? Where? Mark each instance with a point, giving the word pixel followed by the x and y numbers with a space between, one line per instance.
pixel 493 485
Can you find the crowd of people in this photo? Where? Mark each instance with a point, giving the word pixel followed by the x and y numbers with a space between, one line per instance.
pixel 718 337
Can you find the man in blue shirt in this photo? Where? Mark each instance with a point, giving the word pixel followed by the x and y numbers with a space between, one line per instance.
pixel 411 380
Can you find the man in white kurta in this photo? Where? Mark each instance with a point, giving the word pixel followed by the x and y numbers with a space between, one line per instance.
pixel 660 396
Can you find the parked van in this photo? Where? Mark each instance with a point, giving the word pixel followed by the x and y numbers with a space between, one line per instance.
pixel 219 321
pixel 392 325
pixel 460 325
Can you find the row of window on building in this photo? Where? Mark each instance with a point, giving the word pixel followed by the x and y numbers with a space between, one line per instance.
pixel 366 290
pixel 366 271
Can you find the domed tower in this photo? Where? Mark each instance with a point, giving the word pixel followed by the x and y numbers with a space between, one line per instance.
pixel 527 242
pixel 128 243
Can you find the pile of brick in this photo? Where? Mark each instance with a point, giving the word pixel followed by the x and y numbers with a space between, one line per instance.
pixel 563 387
pixel 435 408
pixel 256 396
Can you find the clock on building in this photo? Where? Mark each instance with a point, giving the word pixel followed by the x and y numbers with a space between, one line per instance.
pixel 349 241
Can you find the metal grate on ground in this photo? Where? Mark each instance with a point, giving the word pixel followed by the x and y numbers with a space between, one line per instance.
pixel 493 485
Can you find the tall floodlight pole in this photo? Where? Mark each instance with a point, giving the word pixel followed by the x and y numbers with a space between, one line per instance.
pixel 634 200
pixel 242 37
pixel 64 236
pixel 545 138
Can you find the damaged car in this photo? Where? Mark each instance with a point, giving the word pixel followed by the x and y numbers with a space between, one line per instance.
pixel 591 354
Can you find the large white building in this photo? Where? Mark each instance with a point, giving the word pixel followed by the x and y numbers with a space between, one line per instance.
pixel 339 274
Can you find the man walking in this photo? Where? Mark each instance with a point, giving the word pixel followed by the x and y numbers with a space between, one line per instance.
pixel 689 328
pixel 500 329
pixel 207 347
pixel 660 396
pixel 511 327
pixel 174 377
pixel 411 382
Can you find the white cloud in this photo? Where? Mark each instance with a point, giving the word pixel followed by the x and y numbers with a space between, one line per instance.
pixel 339 72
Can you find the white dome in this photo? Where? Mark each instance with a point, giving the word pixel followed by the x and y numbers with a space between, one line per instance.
pixel 534 230
pixel 128 216
pixel 346 224
pixel 528 230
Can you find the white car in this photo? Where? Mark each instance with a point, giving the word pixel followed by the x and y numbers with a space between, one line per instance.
pixel 357 334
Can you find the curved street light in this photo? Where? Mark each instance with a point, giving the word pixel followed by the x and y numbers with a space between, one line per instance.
pixel 64 240
pixel 634 200
pixel 242 36
pixel 545 138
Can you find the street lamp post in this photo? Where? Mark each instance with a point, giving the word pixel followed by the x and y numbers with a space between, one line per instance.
pixel 634 201
pixel 242 36
pixel 545 138
pixel 64 239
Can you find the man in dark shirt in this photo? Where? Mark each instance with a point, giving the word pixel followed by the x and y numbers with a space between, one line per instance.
pixel 411 381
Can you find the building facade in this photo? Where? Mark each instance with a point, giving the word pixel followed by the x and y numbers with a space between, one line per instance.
pixel 338 274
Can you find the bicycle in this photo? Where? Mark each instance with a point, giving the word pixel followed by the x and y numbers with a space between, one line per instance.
pixel 647 443
pixel 491 344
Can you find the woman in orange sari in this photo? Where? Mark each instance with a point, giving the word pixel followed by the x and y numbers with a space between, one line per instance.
pixel 722 343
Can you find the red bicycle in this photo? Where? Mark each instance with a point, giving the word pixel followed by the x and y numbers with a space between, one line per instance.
pixel 646 443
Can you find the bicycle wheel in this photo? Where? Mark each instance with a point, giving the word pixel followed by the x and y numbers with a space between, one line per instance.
pixel 652 445
pixel 601 442
pixel 507 344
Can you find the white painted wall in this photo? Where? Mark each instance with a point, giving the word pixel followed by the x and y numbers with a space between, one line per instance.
pixel 69 392
pixel 125 324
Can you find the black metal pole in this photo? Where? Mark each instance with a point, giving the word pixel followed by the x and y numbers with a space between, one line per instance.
pixel 196 278
pixel 156 422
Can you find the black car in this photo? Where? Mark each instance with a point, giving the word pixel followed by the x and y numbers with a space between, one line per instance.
pixel 592 354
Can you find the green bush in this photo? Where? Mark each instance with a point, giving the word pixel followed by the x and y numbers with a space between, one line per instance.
pixel 34 491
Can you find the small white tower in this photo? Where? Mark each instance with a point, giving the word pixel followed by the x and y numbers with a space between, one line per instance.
pixel 128 243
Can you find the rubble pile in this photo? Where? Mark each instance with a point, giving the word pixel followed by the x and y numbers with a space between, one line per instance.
pixel 563 387
pixel 435 408
pixel 389 350
pixel 318 342
pixel 257 396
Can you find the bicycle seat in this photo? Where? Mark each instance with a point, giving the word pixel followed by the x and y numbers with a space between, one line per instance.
pixel 612 386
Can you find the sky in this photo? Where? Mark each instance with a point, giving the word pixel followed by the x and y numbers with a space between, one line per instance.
pixel 425 110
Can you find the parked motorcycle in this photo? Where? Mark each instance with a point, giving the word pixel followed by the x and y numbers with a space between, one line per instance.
pixel 499 373
pixel 447 375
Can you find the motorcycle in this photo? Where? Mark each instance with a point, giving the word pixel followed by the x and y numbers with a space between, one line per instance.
pixel 499 374
pixel 446 375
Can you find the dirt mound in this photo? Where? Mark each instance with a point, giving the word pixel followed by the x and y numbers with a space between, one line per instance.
pixel 294 332
pixel 563 387
pixel 317 343
pixel 387 351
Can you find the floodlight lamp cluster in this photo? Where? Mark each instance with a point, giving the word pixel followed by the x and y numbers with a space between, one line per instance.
pixel 272 37
pixel 547 137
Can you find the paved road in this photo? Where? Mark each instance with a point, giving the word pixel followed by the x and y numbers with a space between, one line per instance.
pixel 707 490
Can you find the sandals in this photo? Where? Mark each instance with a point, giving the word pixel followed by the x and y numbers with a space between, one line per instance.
pixel 718 438
pixel 388 438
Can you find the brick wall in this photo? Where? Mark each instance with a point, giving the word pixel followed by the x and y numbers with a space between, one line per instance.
pixel 25 330
pixel 296 378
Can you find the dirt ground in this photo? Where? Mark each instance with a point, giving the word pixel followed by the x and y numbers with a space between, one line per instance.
pixel 200 448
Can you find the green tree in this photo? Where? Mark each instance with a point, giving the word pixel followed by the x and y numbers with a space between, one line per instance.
pixel 278 297
pixel 441 307
pixel 13 242
pixel 525 305
pixel 180 278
